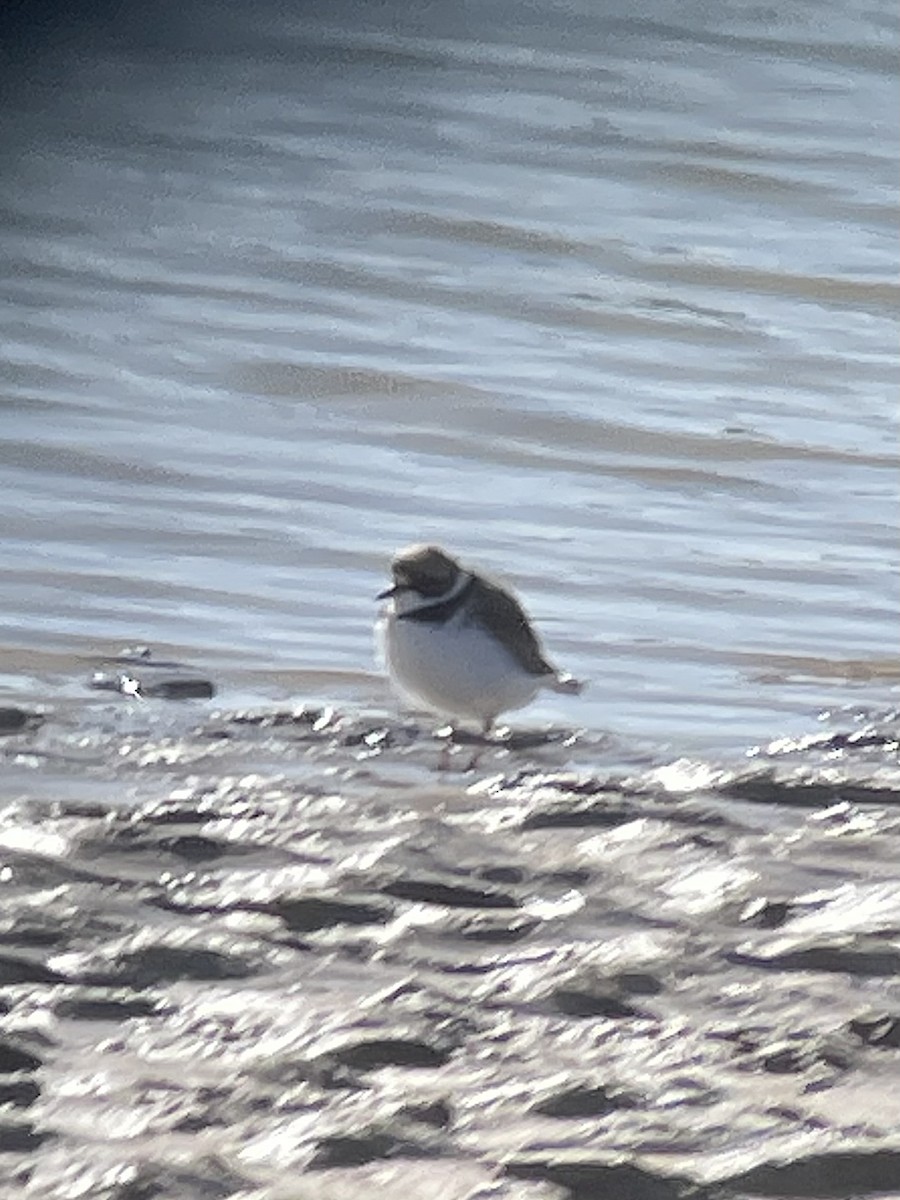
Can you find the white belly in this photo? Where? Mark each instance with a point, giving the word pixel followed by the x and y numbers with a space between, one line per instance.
pixel 454 668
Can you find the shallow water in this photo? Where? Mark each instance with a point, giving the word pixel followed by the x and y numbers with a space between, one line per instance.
pixel 606 302
pixel 603 301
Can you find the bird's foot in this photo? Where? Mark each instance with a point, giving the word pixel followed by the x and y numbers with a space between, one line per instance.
pixel 454 738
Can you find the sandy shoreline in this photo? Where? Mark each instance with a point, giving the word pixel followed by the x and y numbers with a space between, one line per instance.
pixel 277 954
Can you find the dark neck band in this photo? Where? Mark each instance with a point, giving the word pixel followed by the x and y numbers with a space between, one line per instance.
pixel 436 614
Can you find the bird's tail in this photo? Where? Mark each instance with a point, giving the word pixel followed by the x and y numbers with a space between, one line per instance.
pixel 567 684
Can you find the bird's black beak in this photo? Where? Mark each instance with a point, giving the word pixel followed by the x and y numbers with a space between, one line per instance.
pixel 388 592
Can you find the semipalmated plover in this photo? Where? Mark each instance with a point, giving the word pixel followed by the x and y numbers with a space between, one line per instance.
pixel 460 643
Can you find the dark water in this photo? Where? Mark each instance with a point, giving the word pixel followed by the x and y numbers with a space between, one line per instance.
pixel 605 300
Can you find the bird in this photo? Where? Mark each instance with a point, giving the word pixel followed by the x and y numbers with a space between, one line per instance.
pixel 458 642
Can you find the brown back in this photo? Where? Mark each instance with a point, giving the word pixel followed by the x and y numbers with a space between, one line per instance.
pixel 501 613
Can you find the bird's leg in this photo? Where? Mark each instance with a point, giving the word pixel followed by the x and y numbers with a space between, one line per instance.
pixel 445 733
pixel 486 726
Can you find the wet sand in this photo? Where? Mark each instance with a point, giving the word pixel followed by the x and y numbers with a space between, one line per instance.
pixel 279 954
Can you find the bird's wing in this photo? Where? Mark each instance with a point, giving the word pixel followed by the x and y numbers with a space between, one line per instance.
pixel 501 613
